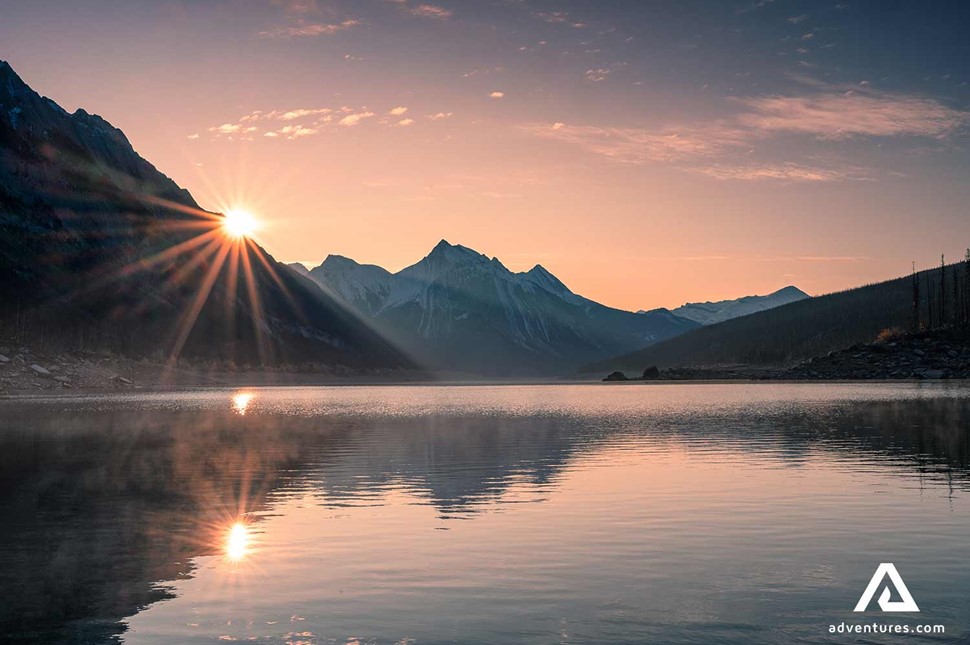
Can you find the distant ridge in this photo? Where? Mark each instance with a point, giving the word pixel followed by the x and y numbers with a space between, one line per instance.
pixel 793 332
pixel 710 313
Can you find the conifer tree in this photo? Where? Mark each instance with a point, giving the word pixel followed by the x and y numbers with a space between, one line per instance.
pixel 942 291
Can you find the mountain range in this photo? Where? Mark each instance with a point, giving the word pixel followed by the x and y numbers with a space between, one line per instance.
pixel 100 250
pixel 459 310
pixel 711 313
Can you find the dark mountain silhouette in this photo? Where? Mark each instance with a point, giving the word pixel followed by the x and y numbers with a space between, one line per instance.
pixel 456 309
pixel 800 330
pixel 99 250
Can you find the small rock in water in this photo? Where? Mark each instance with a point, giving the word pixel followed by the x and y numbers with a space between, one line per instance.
pixel 4 359
pixel 62 379
pixel 39 370
pixel 651 373
pixel 934 374
pixel 617 376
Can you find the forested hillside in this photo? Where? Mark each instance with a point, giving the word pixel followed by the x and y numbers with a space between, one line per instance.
pixel 808 328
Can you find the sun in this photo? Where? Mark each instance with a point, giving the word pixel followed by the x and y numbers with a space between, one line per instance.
pixel 239 223
pixel 237 542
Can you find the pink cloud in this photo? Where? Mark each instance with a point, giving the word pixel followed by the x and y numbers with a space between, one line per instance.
pixel 854 113
pixel 304 29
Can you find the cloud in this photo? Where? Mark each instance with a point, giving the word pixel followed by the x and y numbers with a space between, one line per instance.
pixel 297 131
pixel 292 115
pixel 298 6
pixel 711 150
pixel 193 136
pixel 727 148
pixel 558 18
pixel 232 128
pixel 854 113
pixel 769 258
pixel 797 19
pixel 303 122
pixel 303 29
pixel 497 95
pixel 640 145
pixel 786 171
pixel 597 75
pixel 354 119
pixel 430 11
pixel 438 116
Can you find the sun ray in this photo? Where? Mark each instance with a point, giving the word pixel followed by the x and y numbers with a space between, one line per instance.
pixel 256 306
pixel 191 316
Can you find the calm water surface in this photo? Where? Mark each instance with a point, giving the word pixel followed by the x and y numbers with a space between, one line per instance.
pixel 537 514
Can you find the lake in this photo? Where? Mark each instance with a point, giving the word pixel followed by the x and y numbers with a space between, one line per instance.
pixel 629 513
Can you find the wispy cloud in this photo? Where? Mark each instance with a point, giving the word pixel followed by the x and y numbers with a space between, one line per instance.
pixel 558 18
pixel 852 113
pixel 641 145
pixel 354 119
pixel 430 11
pixel 767 258
pixel 785 171
pixel 303 29
pixel 305 122
pixel 497 95
pixel 297 131
pixel 724 148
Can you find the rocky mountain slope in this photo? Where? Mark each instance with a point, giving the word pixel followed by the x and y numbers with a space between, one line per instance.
pixel 459 310
pixel 98 249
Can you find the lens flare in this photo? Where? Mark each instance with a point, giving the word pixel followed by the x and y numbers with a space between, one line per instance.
pixel 239 224
pixel 237 542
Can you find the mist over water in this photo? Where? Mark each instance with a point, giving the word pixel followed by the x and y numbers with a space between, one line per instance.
pixel 693 513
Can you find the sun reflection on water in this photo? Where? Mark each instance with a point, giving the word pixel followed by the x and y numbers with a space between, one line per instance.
pixel 237 542
pixel 241 401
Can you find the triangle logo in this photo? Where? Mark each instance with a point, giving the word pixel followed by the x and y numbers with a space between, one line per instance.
pixel 906 602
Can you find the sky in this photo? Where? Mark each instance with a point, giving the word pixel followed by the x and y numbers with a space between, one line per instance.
pixel 647 153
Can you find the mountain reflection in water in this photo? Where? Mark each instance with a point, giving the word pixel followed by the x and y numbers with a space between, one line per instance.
pixel 110 503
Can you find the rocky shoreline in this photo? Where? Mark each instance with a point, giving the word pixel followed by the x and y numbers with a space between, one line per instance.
pixel 937 355
pixel 26 369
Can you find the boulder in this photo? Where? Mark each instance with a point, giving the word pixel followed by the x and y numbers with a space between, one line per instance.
pixel 4 359
pixel 617 376
pixel 40 371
